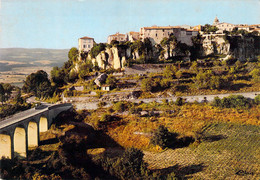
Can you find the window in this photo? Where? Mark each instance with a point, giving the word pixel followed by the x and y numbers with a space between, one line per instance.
pixel 188 33
pixel 84 46
pixel 88 46
pixel 156 34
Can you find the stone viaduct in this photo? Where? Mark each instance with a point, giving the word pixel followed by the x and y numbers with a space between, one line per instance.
pixel 21 131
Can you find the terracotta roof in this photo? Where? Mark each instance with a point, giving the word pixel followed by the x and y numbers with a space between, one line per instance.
pixel 86 37
pixel 132 32
pixel 243 26
pixel 192 30
pixel 117 34
pixel 162 27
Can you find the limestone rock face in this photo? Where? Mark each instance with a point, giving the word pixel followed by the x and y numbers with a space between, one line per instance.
pixel 240 47
pixel 113 57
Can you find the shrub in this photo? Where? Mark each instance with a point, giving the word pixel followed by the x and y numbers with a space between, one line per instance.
pixel 257 99
pixel 233 101
pixel 179 101
pixel 163 137
pixel 105 118
pixel 255 74
pixel 101 104
pixel 147 85
pixel 120 106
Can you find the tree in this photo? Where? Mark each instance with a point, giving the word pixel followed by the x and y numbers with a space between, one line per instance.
pixel 170 71
pixel 18 97
pixel 162 137
pixel 38 84
pixel 85 69
pixel 255 73
pixel 2 94
pixel 111 81
pixel 73 54
pixel 8 90
pixel 96 49
pixel 57 76
pixel 208 28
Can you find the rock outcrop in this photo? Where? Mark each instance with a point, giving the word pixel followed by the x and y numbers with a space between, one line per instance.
pixel 239 47
pixel 116 57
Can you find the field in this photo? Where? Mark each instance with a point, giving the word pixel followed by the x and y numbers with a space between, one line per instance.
pixel 228 151
pixel 229 147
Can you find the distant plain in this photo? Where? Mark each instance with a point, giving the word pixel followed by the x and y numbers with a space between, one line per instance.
pixel 17 63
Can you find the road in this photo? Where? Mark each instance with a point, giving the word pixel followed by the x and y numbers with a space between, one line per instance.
pixel 199 98
pixel 19 116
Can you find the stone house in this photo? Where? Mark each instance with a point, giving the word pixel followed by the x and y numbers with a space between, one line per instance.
pixel 117 37
pixel 106 88
pixel 157 33
pixel 132 36
pixel 85 43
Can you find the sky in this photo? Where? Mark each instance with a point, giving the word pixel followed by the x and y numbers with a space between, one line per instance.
pixel 57 24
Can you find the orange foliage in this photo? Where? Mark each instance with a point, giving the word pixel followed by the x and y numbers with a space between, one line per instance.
pixel 189 119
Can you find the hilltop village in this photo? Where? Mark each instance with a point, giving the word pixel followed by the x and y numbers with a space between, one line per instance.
pixel 167 102
pixel 218 38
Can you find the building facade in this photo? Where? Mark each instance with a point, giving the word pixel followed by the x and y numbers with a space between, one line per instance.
pixel 117 37
pixel 85 43
pixel 132 36
pixel 157 33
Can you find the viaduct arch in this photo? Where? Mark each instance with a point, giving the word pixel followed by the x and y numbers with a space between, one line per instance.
pixel 22 131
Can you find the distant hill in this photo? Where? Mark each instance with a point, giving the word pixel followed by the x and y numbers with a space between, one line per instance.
pixel 21 57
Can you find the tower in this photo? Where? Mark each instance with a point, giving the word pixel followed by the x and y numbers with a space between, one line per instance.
pixel 216 21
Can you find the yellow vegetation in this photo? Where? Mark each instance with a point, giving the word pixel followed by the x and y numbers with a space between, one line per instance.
pixel 189 119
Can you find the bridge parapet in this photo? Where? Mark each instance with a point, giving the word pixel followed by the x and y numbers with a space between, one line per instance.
pixel 23 129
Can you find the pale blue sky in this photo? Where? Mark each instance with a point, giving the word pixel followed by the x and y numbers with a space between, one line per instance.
pixel 59 23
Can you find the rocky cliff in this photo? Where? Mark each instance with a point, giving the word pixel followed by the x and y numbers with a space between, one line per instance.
pixel 240 47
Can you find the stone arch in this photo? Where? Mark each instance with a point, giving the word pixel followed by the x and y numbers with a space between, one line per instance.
pixel 43 124
pixel 6 146
pixel 32 131
pixel 19 141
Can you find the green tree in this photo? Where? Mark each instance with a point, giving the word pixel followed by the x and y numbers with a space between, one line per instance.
pixel 2 94
pixel 96 49
pixel 8 90
pixel 73 54
pixel 169 71
pixel 18 97
pixel 85 69
pixel 208 28
pixel 162 137
pixel 255 73
pixel 57 76
pixel 38 84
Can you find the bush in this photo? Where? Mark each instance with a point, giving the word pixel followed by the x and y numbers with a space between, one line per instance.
pixel 163 137
pixel 105 118
pixel 257 99
pixel 179 101
pixel 147 85
pixel 120 106
pixel 233 101
pixel 129 166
